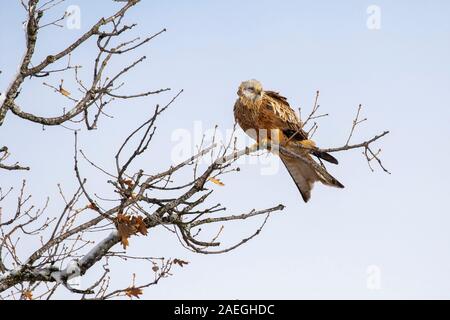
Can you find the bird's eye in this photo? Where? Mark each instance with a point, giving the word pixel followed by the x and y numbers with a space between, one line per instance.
pixel 251 89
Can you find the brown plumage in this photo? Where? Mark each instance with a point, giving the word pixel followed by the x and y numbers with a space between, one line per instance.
pixel 261 114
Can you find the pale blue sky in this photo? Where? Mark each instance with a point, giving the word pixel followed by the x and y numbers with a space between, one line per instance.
pixel 400 73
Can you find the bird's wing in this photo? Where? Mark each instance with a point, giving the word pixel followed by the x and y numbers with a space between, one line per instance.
pixel 282 115
pixel 277 109
pixel 306 173
pixel 276 113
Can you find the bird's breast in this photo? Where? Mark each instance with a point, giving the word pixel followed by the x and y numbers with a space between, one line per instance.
pixel 246 115
pixel 254 121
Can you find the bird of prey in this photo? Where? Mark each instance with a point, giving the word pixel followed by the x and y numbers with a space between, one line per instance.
pixel 257 110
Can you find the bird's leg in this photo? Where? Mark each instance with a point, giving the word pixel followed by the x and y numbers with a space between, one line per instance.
pixel 264 143
pixel 262 139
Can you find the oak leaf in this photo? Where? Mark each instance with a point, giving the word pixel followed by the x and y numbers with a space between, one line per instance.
pixel 128 182
pixel 216 181
pixel 180 262
pixel 64 92
pixel 125 229
pixel 133 292
pixel 28 295
pixel 129 225
pixel 140 226
pixel 92 206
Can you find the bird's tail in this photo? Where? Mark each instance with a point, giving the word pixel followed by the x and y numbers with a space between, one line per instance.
pixel 315 151
pixel 325 156
pixel 305 174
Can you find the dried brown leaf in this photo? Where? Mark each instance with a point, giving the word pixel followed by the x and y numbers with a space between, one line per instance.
pixel 180 262
pixel 140 226
pixel 64 92
pixel 125 228
pixel 216 181
pixel 128 182
pixel 28 295
pixel 92 206
pixel 133 292
pixel 128 226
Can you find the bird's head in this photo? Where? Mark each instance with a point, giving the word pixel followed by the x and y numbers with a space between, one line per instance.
pixel 250 90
